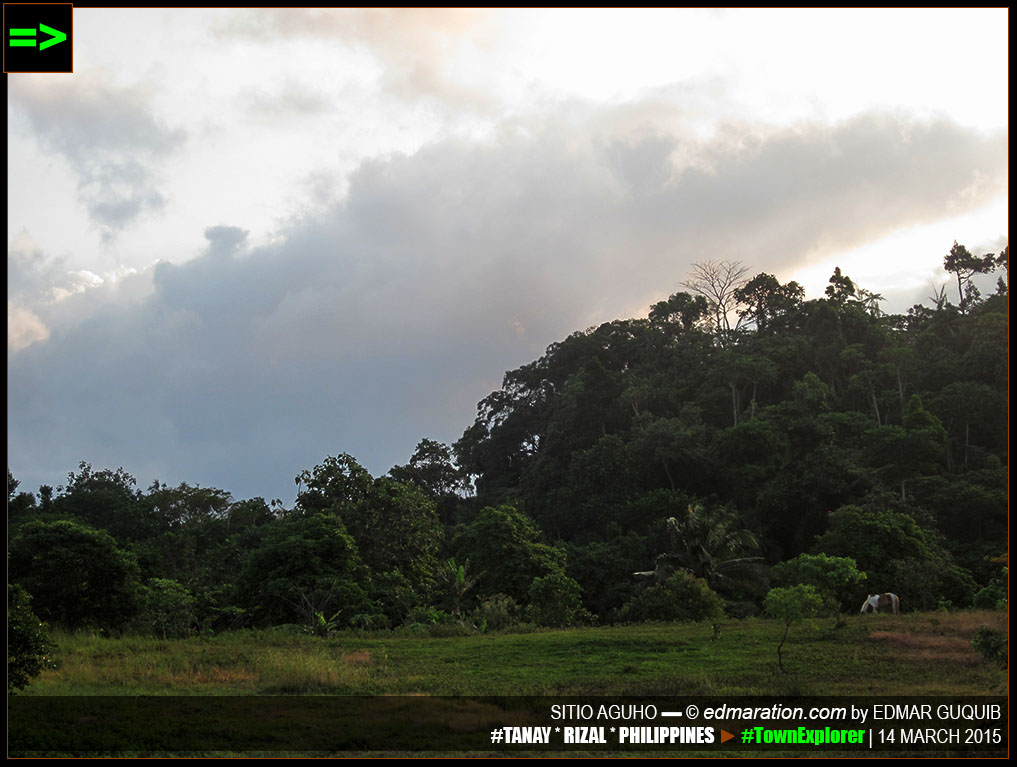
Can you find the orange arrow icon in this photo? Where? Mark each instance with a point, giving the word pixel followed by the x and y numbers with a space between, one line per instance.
pixel 725 736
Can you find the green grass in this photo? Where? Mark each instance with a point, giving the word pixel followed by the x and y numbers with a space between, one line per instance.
pixel 927 654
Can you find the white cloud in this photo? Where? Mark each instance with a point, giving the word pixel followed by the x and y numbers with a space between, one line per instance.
pixel 23 328
pixel 109 138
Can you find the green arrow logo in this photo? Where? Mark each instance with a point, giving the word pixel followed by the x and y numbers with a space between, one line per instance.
pixel 19 37
pixel 56 36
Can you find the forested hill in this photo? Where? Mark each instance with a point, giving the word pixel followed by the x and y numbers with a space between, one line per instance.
pixel 739 426
pixel 795 410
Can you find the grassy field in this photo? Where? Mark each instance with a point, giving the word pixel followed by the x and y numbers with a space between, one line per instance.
pixel 916 654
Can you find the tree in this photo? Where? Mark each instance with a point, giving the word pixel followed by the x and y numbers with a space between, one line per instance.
pixel 77 576
pixel 708 542
pixel 394 524
pixel 739 370
pixel 29 651
pixel 718 282
pixel 20 506
pixel 555 600
pixel 186 505
pixel 1003 262
pixel 457 583
pixel 107 500
pixel 681 313
pixel 964 265
pixel 676 445
pixel 835 578
pixel 396 528
pixel 682 597
pixel 167 608
pixel 506 544
pixel 792 604
pixel 970 410
pixel 902 453
pixel 432 469
pixel 338 481
pixel 304 566
pixel 840 289
pixel 891 548
pixel 767 301
pixel 869 301
pixel 604 569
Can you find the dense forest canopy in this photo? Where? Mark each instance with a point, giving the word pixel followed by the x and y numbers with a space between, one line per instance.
pixel 661 468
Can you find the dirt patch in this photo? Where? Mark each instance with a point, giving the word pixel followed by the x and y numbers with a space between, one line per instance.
pixel 897 638
pixel 929 647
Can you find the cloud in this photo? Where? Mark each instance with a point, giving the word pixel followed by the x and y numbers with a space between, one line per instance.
pixel 109 138
pixel 417 48
pixel 386 318
pixel 39 284
pixel 23 328
pixel 289 101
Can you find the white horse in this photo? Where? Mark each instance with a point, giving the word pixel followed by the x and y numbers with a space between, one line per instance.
pixel 875 601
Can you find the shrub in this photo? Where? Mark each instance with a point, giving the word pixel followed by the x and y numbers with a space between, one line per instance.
pixel 370 622
pixel 837 579
pixel 496 613
pixel 429 616
pixel 167 609
pixel 681 598
pixel 556 600
pixel 994 596
pixel 455 629
pixel 791 605
pixel 991 597
pixel 411 630
pixel 991 643
pixel 29 650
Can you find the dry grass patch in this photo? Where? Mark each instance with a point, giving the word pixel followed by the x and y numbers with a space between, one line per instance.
pixel 357 658
pixel 896 638
pixel 940 648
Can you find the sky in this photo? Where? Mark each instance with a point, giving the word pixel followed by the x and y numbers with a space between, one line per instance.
pixel 240 241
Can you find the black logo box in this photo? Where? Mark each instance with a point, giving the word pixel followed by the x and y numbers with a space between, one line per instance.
pixel 54 59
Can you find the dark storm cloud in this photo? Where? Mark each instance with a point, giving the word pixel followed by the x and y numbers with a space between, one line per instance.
pixel 109 138
pixel 388 318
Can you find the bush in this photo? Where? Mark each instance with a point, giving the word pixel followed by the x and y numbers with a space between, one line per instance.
pixel 411 630
pixel 79 577
pixel 792 605
pixel 556 600
pixel 167 609
pixel 837 579
pixel 429 616
pixel 992 597
pixel 29 651
pixel 497 613
pixel 681 598
pixel 454 629
pixel 370 622
pixel 504 544
pixel 991 643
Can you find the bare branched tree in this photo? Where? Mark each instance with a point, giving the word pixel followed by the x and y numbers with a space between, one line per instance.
pixel 717 281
